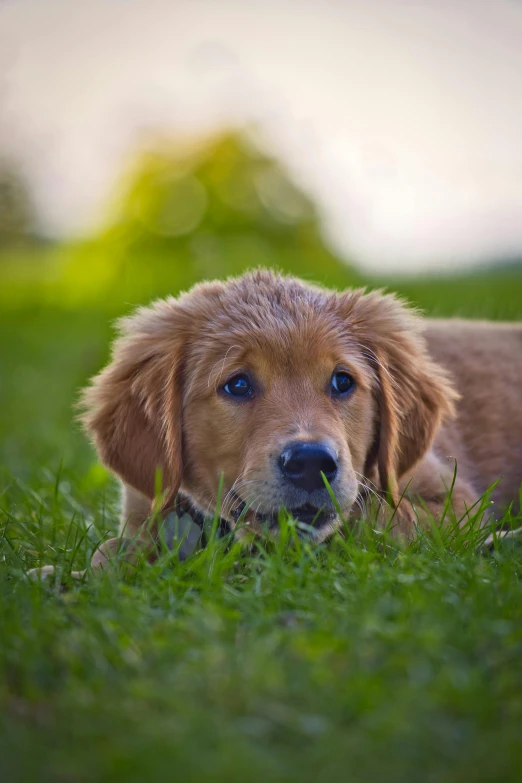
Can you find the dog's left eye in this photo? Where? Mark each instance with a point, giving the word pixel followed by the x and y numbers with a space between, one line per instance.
pixel 342 383
pixel 238 386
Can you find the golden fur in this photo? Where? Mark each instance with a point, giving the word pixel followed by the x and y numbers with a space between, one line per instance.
pixel 428 393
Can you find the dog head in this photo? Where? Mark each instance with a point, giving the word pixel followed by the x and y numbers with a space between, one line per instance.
pixel 272 385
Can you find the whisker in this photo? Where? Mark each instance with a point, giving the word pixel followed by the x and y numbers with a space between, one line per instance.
pixel 371 355
pixel 232 496
pixel 364 479
pixel 222 366
pixel 235 484
pixel 359 504
pixel 368 485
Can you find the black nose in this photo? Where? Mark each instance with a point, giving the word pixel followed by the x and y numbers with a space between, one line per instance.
pixel 302 464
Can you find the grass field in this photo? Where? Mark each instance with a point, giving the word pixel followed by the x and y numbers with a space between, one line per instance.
pixel 354 661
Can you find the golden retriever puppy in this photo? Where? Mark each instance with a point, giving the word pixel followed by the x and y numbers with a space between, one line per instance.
pixel 273 384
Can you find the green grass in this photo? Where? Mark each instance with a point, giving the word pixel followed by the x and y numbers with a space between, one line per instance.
pixel 352 661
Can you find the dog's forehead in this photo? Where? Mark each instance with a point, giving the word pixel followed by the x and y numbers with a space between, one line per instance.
pixel 275 324
pixel 288 302
pixel 287 328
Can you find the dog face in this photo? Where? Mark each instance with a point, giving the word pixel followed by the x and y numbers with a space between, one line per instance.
pixel 271 410
pixel 272 385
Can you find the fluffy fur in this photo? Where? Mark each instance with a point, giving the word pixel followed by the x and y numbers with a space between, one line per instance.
pixel 428 394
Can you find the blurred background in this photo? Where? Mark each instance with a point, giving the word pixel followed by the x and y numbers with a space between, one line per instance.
pixel 147 145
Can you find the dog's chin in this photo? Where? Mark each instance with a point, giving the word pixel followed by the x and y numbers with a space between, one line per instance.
pixel 313 524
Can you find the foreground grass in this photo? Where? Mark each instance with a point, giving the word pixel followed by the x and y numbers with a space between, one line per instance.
pixel 352 661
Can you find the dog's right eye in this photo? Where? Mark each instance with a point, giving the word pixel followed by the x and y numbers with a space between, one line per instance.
pixel 238 386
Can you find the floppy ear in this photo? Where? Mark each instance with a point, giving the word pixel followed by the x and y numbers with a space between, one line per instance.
pixel 413 393
pixel 132 409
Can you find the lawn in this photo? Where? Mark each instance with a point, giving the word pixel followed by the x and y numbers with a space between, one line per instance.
pixel 352 661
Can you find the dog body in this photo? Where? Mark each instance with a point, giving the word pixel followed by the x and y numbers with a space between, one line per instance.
pixel 484 361
pixel 270 385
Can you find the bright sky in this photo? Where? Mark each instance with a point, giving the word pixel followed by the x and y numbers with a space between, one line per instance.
pixel 402 119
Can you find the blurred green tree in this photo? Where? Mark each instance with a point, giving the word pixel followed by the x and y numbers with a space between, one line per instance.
pixel 210 209
pixel 17 217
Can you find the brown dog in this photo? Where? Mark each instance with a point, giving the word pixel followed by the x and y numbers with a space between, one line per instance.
pixel 272 383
